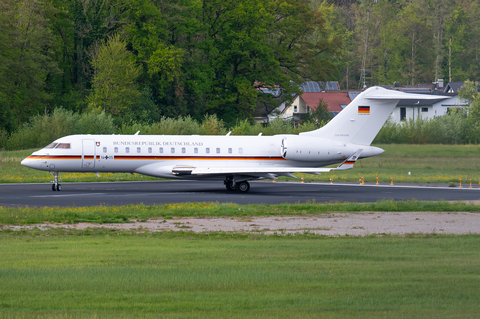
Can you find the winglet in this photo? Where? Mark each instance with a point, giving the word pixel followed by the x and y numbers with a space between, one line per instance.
pixel 348 163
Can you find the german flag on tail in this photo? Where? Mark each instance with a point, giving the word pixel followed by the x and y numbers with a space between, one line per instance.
pixel 363 109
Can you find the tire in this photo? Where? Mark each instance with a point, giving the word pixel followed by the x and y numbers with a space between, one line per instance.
pixel 59 187
pixel 230 186
pixel 243 187
pixel 53 187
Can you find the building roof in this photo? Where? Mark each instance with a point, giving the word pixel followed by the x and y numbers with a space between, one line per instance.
pixel 452 87
pixel 334 99
pixel 309 87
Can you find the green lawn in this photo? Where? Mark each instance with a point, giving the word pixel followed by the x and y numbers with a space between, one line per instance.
pixel 127 213
pixel 182 275
pixel 426 163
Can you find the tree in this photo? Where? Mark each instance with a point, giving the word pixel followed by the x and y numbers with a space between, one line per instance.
pixel 26 60
pixel 114 83
pixel 320 115
pixel 469 92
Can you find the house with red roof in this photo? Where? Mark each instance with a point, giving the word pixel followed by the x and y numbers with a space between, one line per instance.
pixel 303 104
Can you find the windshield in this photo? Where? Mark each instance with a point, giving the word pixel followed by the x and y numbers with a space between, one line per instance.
pixel 58 145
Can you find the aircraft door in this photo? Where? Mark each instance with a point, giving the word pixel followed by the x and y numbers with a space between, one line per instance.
pixel 88 154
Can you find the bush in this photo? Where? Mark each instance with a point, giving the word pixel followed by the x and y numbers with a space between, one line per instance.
pixel 43 129
pixel 453 128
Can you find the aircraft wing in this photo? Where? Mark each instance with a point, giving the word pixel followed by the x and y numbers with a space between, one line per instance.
pixel 181 170
pixel 266 171
pixel 192 170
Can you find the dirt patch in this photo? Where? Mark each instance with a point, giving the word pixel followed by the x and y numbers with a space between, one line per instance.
pixel 338 224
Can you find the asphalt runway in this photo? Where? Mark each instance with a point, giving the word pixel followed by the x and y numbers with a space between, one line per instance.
pixel 160 192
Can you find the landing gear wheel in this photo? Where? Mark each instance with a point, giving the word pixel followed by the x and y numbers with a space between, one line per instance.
pixel 56 186
pixel 243 187
pixel 231 186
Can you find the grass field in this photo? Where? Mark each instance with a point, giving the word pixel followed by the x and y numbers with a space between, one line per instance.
pixel 111 274
pixel 128 213
pixel 427 164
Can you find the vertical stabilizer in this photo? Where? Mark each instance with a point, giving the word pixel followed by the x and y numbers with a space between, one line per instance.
pixel 363 118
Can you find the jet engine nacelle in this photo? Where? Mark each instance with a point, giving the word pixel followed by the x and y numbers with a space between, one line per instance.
pixel 317 149
pixel 307 149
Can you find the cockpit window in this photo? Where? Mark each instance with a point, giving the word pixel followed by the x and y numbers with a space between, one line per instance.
pixel 63 145
pixel 51 145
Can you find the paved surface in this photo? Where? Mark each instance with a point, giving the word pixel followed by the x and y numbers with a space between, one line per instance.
pixel 336 224
pixel 158 192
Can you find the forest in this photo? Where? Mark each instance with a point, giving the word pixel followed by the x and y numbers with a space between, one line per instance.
pixel 141 61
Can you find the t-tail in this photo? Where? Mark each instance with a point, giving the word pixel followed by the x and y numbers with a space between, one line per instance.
pixel 363 118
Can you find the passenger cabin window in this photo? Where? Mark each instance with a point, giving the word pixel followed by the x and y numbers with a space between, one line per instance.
pixel 104 149
pixel 51 145
pixel 172 150
pixel 127 149
pixel 63 145
pixel 240 150
pixel 139 149
pixel 161 150
pixel 195 150
pixel 184 150
pixel 115 149
pixel 150 150
pixel 207 150
pixel 218 150
pixel 229 151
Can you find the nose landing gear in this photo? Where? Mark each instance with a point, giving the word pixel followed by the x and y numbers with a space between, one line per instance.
pixel 56 186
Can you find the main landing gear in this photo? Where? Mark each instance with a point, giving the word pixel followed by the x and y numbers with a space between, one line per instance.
pixel 242 187
pixel 56 186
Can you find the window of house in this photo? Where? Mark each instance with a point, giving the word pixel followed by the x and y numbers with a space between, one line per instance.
pixel 150 150
pixel 403 113
pixel 127 149
pixel 138 150
pixel 343 106
pixel 229 151
pixel 295 108
pixel 115 149
pixel 104 149
pixel 424 109
pixel 172 150
pixel 218 150
pixel 207 150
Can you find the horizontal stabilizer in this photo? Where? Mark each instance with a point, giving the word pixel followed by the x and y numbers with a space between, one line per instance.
pixel 348 163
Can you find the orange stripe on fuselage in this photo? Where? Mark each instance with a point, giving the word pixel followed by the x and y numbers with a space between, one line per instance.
pixel 55 157
pixel 159 158
pixel 198 158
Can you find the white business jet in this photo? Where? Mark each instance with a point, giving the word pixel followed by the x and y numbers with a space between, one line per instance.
pixel 233 159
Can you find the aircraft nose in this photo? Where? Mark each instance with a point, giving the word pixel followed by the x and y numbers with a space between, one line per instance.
pixel 28 163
